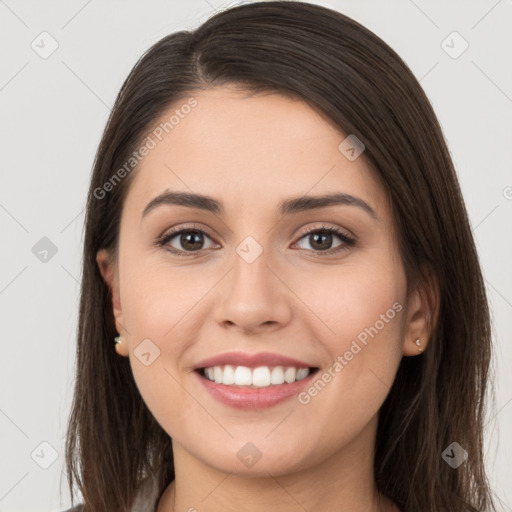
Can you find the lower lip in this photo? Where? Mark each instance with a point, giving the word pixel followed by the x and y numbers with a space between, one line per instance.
pixel 254 398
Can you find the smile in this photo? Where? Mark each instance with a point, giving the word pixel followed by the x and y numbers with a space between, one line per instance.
pixel 260 377
pixel 253 381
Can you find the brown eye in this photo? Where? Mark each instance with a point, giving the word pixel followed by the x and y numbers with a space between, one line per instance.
pixel 184 241
pixel 321 240
pixel 191 240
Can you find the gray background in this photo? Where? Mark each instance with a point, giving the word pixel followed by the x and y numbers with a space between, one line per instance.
pixel 53 113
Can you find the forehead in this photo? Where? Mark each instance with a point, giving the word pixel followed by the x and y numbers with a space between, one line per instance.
pixel 248 150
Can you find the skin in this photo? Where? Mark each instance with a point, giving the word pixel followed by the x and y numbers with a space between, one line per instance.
pixel 251 152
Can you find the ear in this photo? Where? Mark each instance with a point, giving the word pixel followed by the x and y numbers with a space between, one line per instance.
pixel 423 304
pixel 108 270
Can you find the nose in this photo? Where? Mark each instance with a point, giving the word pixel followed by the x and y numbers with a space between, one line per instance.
pixel 253 298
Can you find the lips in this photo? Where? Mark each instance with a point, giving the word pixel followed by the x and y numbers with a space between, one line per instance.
pixel 253 381
pixel 251 360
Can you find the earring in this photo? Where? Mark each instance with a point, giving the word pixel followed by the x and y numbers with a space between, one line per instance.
pixel 418 342
pixel 117 339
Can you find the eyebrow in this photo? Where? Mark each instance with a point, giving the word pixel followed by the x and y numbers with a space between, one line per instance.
pixel 286 207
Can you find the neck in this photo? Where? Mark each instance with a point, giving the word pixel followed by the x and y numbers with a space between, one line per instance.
pixel 343 482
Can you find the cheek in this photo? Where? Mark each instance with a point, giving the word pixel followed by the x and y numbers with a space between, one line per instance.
pixel 360 324
pixel 157 307
pixel 156 298
pixel 355 301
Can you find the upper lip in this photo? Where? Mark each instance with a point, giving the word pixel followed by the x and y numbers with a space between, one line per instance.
pixel 251 360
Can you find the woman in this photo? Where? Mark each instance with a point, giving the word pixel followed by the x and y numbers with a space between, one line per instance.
pixel 326 343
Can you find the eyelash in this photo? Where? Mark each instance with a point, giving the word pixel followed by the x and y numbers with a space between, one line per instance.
pixel 347 240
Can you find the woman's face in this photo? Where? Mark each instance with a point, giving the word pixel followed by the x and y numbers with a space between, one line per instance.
pixel 251 277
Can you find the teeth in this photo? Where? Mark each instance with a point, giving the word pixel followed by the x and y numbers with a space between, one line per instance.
pixel 260 377
pixel 229 375
pixel 277 376
pixel 289 375
pixel 302 373
pixel 243 376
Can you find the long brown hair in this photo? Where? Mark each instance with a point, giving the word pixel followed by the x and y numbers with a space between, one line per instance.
pixel 347 73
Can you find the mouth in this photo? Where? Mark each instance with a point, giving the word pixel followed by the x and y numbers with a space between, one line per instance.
pixel 256 387
pixel 255 378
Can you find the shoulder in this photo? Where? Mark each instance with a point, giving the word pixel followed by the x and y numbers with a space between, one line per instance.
pixel 77 508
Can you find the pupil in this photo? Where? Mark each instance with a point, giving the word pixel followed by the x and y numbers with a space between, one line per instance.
pixel 324 237
pixel 188 239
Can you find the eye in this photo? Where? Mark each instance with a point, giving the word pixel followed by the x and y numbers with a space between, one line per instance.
pixel 321 240
pixel 189 240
